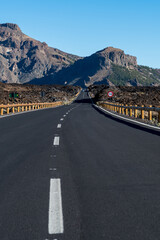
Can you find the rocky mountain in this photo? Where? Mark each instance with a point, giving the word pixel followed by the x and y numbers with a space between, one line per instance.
pixel 110 66
pixel 23 58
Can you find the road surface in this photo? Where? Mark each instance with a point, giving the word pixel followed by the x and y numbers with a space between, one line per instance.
pixel 73 173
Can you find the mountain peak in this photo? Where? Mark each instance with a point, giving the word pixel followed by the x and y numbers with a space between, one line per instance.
pixel 117 56
pixel 112 49
pixel 11 26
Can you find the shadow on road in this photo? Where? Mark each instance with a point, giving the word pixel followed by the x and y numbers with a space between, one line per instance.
pixel 133 125
pixel 85 100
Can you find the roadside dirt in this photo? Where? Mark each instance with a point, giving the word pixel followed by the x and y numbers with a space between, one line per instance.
pixel 36 93
pixel 127 95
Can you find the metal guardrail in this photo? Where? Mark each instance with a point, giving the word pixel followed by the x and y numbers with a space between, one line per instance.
pixel 132 111
pixel 13 108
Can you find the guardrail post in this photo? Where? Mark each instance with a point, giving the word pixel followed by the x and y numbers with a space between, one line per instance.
pixel 135 112
pixel 22 108
pixel 18 109
pixel 115 108
pixel 26 108
pixel 142 113
pixel 126 109
pixel 150 114
pixel 2 111
pixel 13 110
pixel 130 111
pixel 7 110
pixel 122 109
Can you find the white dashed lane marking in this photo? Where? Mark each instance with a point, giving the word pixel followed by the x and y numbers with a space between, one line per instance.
pixel 53 169
pixel 61 119
pixel 55 221
pixel 59 126
pixel 56 141
pixel 64 115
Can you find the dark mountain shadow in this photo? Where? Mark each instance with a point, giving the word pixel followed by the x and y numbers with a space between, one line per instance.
pixel 76 74
pixel 47 80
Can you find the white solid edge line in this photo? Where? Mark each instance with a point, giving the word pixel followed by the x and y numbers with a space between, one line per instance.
pixel 56 141
pixel 126 119
pixel 59 126
pixel 55 219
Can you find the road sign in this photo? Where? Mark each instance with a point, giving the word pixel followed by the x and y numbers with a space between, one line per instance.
pixel 13 95
pixel 110 94
pixel 43 94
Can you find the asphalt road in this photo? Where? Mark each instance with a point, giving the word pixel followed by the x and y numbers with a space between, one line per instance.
pixel 89 178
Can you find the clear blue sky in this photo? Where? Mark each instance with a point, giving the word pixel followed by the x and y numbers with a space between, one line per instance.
pixel 83 27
